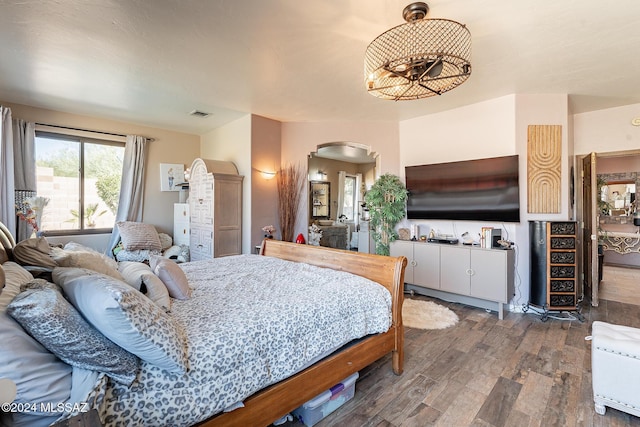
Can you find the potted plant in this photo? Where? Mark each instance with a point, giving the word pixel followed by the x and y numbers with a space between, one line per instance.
pixel 386 202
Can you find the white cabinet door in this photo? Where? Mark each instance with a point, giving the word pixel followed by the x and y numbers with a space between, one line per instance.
pixel 426 270
pixel 455 270
pixel 405 249
pixel 489 277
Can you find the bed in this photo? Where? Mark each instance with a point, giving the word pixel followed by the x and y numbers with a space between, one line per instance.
pixel 289 387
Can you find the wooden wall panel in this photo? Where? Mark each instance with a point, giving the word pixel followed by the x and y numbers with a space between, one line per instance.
pixel 544 155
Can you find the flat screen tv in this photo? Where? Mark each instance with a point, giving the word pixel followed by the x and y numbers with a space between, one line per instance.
pixel 472 190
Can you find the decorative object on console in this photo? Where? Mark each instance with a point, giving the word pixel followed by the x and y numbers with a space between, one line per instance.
pixel 386 201
pixel 290 181
pixel 315 234
pixel 269 230
pixel 419 59
pixel 300 239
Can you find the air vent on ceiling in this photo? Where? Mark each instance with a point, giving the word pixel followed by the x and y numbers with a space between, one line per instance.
pixel 198 113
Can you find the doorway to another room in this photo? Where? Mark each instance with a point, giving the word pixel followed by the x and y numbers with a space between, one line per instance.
pixel 611 215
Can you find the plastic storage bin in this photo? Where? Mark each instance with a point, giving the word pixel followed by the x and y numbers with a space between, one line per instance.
pixel 325 403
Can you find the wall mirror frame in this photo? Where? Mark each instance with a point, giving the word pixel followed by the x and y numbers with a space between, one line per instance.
pixel 617 198
pixel 332 157
pixel 320 199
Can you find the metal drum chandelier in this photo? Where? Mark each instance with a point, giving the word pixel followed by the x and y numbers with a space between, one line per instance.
pixel 418 59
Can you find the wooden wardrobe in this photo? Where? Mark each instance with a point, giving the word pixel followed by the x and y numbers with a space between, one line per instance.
pixel 215 209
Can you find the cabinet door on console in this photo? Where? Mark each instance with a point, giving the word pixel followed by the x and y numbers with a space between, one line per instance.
pixel 455 269
pixel 426 272
pixel 405 249
pixel 488 279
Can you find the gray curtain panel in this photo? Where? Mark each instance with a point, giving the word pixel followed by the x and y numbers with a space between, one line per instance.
pixel 24 163
pixel 132 186
pixel 7 188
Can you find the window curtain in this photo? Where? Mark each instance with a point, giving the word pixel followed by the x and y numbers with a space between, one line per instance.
pixel 132 185
pixel 24 164
pixel 7 188
pixel 341 179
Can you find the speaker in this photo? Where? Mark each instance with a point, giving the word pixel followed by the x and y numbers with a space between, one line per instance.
pixel 496 234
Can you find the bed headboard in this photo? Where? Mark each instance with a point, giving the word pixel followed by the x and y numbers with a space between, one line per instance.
pixel 386 270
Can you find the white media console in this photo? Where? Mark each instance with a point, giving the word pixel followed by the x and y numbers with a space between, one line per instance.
pixel 470 275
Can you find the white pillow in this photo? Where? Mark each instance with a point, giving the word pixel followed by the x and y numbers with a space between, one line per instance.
pixel 137 274
pixel 126 317
pixel 138 235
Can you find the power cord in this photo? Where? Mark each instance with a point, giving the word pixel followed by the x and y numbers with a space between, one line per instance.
pixel 542 313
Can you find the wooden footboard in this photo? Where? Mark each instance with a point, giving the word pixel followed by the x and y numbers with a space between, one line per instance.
pixel 275 401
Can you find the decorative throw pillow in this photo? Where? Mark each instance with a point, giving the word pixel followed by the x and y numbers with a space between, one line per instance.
pixel 38 374
pixel 91 260
pixel 39 284
pixel 53 322
pixel 77 247
pixel 172 276
pixel 34 252
pixel 4 256
pixel 137 235
pixel 126 317
pixel 139 275
pixel 165 241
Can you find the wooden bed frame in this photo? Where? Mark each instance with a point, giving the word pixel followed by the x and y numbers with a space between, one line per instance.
pixel 274 402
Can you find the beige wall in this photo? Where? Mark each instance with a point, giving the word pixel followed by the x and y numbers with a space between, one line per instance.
pixel 232 143
pixel 167 147
pixel 265 157
pixel 300 139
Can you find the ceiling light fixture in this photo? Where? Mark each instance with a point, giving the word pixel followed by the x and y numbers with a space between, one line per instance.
pixel 419 59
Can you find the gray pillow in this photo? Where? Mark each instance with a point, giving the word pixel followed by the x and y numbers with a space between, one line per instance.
pixel 53 322
pixel 126 317
pixel 38 374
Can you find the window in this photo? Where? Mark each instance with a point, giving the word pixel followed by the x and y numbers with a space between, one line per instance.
pixel 350 202
pixel 81 178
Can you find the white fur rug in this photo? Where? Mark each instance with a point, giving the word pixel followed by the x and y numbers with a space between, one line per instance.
pixel 426 315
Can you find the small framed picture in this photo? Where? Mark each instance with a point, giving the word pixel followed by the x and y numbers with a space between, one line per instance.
pixel 171 175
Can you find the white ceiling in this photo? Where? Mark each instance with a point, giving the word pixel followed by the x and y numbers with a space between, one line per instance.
pixel 152 62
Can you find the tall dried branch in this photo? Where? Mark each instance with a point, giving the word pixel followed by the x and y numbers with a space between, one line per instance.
pixel 291 181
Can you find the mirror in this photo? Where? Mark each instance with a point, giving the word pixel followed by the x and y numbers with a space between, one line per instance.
pixel 617 195
pixel 326 165
pixel 320 200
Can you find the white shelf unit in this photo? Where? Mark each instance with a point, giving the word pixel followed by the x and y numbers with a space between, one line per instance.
pixel 181 229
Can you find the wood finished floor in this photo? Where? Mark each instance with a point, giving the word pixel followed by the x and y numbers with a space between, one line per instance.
pixel 488 373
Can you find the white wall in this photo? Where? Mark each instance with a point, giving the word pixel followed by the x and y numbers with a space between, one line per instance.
pixel 607 130
pixel 493 128
pixel 232 142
